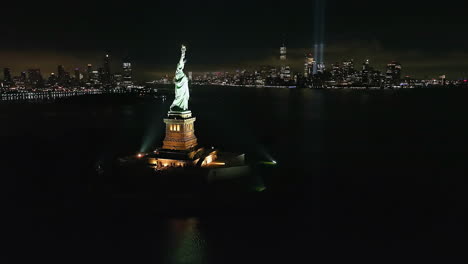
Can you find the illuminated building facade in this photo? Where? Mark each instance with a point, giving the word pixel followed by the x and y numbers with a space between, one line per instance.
pixel 309 65
pixel 348 68
pixel 367 73
pixel 285 73
pixel 127 73
pixel 117 79
pixel 393 74
pixel 78 75
pixel 89 72
pixel 52 81
pixel 336 72
pixel 283 53
pixel 94 78
pixel 366 66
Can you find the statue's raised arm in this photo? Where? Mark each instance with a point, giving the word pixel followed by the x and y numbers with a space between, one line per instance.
pixel 182 52
pixel 181 65
pixel 182 95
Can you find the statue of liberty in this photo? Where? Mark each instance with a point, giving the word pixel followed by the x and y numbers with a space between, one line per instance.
pixel 182 95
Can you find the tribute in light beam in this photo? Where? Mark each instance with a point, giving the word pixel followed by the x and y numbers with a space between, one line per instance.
pixel 319 35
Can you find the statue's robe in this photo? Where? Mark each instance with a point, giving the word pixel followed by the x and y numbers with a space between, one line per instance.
pixel 182 95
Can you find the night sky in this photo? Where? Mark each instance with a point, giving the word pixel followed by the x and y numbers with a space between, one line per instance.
pixel 428 39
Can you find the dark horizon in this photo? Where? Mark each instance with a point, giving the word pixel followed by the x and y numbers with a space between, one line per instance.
pixel 427 40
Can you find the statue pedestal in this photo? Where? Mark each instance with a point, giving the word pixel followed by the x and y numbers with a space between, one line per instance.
pixel 180 131
pixel 180 146
pixel 176 115
pixel 180 149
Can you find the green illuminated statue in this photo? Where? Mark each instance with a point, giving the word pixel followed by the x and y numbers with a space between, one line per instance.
pixel 182 95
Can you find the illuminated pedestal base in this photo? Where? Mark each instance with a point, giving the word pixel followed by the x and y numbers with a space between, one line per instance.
pixel 180 150
pixel 180 131
pixel 180 146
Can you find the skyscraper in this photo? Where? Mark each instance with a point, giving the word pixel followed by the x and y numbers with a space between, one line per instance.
pixel 283 53
pixel 366 73
pixel 7 80
pixel 61 72
pixel 101 74
pixel 89 72
pixel 117 79
pixel 393 74
pixel 366 66
pixel 308 65
pixel 52 79
pixel 62 76
pixel 23 77
pixel 35 78
pixel 285 74
pixel 348 68
pixel 106 70
pixel 127 73
pixel 95 77
pixel 78 75
pixel 336 72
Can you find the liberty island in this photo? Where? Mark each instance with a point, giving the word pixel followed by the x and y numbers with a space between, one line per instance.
pixel 180 147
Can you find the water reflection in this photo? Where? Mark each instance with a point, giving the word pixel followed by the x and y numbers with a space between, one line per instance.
pixel 186 242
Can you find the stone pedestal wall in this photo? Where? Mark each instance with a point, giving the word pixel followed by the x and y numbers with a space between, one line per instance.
pixel 180 132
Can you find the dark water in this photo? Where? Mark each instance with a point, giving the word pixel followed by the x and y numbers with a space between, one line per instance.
pixel 370 177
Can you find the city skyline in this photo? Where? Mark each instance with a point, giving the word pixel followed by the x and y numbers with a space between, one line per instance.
pixel 295 60
pixel 343 74
pixel 427 40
